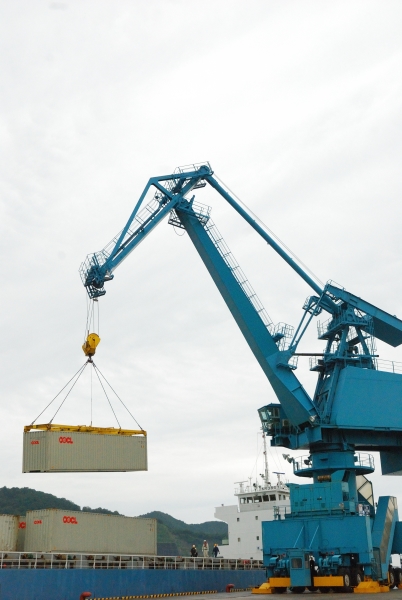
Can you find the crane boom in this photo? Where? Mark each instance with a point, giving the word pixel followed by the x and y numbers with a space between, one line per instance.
pixel 274 363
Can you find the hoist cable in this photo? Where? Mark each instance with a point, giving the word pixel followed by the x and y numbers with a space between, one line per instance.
pixel 86 324
pixel 89 317
pixel 110 404
pixel 91 396
pixel 90 322
pixel 271 233
pixel 117 396
pixel 68 393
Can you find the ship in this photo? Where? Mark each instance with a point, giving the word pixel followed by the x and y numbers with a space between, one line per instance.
pixel 259 501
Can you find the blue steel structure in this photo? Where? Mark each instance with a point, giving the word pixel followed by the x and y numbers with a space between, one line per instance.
pixel 334 536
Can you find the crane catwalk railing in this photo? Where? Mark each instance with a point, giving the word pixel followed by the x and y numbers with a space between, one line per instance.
pixel 149 211
pixel 238 274
pixel 52 560
pixel 388 366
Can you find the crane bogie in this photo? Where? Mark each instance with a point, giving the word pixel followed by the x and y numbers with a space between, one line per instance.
pixel 333 529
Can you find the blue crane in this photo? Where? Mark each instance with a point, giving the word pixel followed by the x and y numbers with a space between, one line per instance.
pixel 334 535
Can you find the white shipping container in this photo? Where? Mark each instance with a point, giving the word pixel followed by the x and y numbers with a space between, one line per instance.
pixel 8 533
pixel 22 523
pixel 61 451
pixel 55 530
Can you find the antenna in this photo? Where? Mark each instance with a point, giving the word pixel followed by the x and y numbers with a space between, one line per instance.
pixel 279 473
pixel 241 484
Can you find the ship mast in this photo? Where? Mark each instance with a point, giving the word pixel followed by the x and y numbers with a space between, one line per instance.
pixel 267 476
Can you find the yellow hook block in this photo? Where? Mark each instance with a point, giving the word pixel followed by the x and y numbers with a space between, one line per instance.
pixel 89 346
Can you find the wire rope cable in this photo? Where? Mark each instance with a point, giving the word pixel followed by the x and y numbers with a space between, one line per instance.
pixel 68 393
pixel 80 370
pixel 91 396
pixel 92 316
pixel 176 232
pixel 264 226
pixel 116 394
pixel 276 459
pixel 254 469
pixel 90 309
pixel 74 379
pixel 110 404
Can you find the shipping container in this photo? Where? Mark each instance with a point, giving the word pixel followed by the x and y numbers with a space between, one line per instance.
pixel 55 530
pixel 22 523
pixel 8 533
pixel 71 450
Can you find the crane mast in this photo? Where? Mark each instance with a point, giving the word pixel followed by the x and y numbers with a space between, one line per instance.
pixel 355 407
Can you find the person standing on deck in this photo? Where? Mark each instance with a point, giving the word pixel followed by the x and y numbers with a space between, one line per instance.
pixel 205 549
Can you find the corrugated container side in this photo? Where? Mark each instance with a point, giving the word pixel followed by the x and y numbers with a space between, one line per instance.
pixel 57 530
pixel 8 533
pixel 22 523
pixel 55 451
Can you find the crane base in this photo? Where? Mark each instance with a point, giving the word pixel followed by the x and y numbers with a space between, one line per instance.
pixel 329 581
pixel 272 585
pixel 370 587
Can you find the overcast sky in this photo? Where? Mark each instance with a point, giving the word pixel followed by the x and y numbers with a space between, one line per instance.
pixel 297 106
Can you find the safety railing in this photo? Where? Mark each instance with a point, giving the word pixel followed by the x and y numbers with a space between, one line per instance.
pixel 44 560
pixel 193 167
pixel 238 274
pixel 360 360
pixel 362 460
pixel 389 366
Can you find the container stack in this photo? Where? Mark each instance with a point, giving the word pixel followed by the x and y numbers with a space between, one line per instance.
pixel 8 532
pixel 22 524
pixel 55 530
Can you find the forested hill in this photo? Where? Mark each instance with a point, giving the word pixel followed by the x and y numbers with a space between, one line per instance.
pixel 175 532
pixel 174 536
pixel 16 501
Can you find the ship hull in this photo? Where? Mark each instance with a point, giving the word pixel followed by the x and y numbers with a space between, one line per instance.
pixel 63 584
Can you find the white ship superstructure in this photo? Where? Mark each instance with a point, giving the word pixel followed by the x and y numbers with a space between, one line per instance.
pixel 256 502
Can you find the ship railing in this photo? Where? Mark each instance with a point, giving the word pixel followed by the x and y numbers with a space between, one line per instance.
pixel 247 489
pixel 52 560
pixel 280 512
